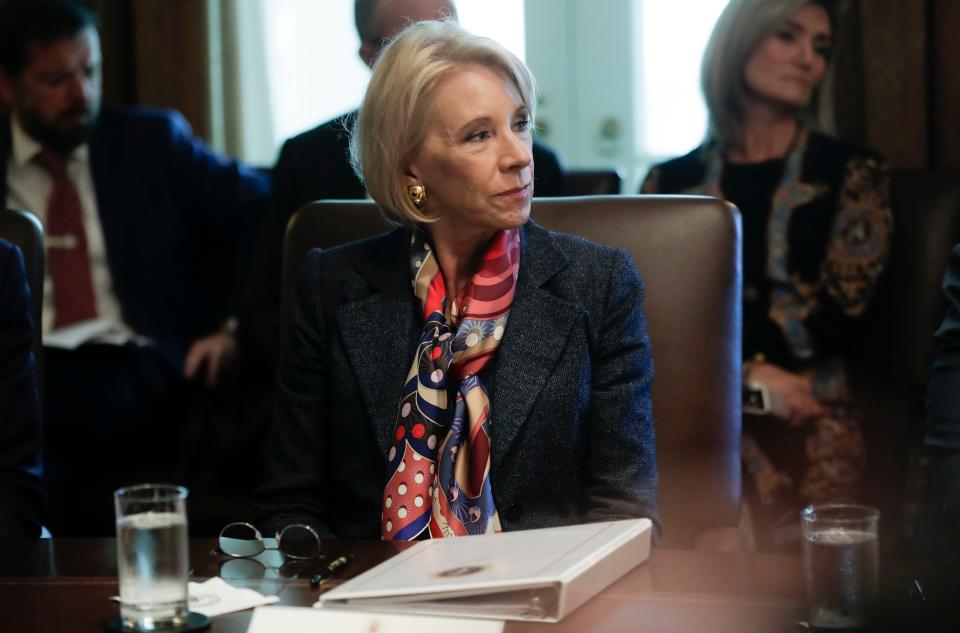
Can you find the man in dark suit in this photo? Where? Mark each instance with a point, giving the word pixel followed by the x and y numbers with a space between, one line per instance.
pixel 315 165
pixel 147 230
pixel 23 503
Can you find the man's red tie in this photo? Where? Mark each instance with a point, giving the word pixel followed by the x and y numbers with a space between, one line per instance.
pixel 67 258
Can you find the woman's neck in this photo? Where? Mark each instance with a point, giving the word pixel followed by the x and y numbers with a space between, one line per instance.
pixel 768 132
pixel 459 256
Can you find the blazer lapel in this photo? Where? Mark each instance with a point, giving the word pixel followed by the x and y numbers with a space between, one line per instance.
pixel 380 331
pixel 380 334
pixel 539 326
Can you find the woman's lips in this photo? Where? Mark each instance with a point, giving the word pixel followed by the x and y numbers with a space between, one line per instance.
pixel 516 194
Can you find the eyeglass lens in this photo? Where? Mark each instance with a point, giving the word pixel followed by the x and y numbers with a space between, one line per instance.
pixel 240 540
pixel 299 541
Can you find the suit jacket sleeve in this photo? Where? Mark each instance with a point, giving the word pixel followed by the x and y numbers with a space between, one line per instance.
pixel 621 467
pixel 22 499
pixel 943 391
pixel 294 472
pixel 223 197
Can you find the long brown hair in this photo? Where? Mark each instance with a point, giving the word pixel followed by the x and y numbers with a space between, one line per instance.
pixel 736 35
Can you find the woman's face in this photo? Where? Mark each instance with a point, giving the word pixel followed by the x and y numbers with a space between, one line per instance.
pixel 788 65
pixel 475 160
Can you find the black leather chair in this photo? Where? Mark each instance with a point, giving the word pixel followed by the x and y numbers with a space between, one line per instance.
pixel 24 229
pixel 593 182
pixel 688 251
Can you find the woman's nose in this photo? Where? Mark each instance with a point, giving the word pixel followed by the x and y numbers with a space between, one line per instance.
pixel 807 54
pixel 518 151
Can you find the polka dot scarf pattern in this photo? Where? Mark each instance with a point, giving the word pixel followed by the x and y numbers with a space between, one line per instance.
pixel 438 467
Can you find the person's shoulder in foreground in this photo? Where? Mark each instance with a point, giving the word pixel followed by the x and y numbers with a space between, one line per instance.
pixel 22 498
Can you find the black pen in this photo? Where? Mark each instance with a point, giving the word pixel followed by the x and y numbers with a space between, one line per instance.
pixel 335 565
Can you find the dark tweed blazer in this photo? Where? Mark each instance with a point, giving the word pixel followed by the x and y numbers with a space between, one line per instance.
pixel 572 427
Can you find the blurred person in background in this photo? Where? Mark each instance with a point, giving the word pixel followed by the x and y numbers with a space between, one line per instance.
pixel 816 235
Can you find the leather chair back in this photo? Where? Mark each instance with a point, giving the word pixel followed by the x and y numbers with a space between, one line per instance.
pixel 24 229
pixel 593 182
pixel 897 337
pixel 687 250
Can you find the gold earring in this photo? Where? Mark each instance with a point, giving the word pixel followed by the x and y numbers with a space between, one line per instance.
pixel 418 195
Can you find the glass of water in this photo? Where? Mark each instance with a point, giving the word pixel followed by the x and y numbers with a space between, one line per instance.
pixel 152 556
pixel 840 560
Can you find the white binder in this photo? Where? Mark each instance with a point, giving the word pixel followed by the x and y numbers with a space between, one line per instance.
pixel 529 575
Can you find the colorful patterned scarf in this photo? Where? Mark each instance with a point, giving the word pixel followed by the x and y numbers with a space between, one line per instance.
pixel 438 468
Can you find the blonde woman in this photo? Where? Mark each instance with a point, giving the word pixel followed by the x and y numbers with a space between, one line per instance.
pixel 816 232
pixel 468 372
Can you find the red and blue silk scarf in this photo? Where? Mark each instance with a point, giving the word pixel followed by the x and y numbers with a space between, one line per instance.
pixel 438 467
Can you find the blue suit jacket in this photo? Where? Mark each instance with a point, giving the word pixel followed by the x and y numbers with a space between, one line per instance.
pixel 572 428
pixel 178 221
pixel 22 499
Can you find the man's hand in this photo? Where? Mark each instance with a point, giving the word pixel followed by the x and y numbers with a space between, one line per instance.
pixel 791 395
pixel 214 351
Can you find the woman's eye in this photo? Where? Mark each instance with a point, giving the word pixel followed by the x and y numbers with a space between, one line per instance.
pixel 522 125
pixel 785 35
pixel 823 50
pixel 477 137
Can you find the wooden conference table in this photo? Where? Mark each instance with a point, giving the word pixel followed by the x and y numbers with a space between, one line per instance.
pixel 60 585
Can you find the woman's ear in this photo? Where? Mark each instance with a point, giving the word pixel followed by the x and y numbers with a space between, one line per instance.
pixel 411 176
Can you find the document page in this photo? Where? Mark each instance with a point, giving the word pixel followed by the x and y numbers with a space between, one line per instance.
pixel 305 620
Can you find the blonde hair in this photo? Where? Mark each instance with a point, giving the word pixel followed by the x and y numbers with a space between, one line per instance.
pixel 392 121
pixel 736 35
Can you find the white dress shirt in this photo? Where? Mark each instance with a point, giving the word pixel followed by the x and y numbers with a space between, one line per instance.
pixel 28 188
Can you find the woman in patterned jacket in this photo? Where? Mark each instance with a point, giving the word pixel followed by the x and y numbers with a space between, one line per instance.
pixel 816 233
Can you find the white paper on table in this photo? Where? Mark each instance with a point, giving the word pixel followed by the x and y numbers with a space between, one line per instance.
pixel 216 597
pixel 307 620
